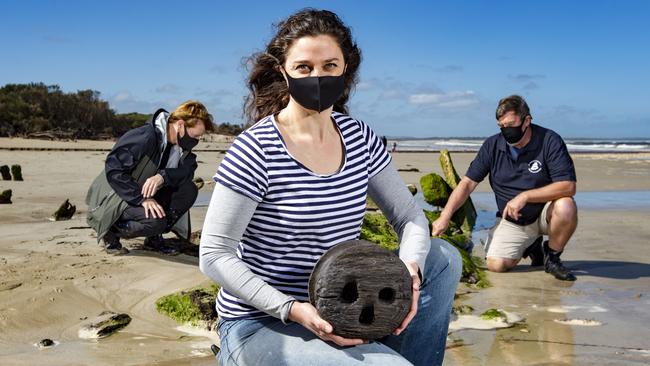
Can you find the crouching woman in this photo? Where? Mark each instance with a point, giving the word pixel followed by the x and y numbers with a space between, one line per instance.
pixel 146 187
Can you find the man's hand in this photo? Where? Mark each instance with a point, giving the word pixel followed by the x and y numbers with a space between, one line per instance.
pixel 415 278
pixel 306 315
pixel 439 226
pixel 153 209
pixel 514 206
pixel 151 185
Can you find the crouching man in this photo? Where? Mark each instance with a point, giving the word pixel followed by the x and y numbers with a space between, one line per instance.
pixel 534 180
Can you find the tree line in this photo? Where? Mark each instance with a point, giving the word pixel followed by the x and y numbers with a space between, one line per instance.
pixel 39 110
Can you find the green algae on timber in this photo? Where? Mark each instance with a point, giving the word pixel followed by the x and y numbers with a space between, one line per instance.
pixel 376 229
pixel 462 309
pixel 434 215
pixel 435 190
pixel 472 273
pixel 371 205
pixel 494 314
pixel 465 216
pixel 192 306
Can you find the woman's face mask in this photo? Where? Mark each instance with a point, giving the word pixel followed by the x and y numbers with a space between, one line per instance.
pixel 185 142
pixel 316 92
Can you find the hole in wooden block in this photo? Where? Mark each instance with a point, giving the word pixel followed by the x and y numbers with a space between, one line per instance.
pixel 367 315
pixel 350 293
pixel 387 294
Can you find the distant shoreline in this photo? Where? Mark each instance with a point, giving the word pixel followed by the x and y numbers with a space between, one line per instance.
pixel 221 143
pixel 224 150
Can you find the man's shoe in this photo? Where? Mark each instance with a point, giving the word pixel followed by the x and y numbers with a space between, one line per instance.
pixel 157 243
pixel 535 252
pixel 112 244
pixel 554 266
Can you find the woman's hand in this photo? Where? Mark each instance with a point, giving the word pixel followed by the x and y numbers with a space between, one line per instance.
pixel 151 185
pixel 415 278
pixel 153 209
pixel 306 315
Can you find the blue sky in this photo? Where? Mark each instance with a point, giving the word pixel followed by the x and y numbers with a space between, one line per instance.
pixel 429 68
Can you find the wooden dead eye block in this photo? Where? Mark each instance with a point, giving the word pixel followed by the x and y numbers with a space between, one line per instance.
pixel 361 289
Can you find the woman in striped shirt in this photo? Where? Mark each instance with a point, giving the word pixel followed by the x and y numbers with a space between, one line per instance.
pixel 292 186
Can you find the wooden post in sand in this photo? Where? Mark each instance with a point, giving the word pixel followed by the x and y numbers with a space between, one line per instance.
pixel 65 211
pixel 5 196
pixel 4 171
pixel 465 217
pixel 16 172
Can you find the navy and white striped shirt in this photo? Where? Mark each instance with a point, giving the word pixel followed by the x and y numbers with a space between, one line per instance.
pixel 300 214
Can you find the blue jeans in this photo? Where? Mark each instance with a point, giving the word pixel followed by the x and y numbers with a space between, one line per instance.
pixel 267 341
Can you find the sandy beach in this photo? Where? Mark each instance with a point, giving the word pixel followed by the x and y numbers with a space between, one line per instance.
pixel 54 276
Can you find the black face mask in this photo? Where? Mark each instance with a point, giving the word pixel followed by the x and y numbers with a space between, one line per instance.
pixel 186 142
pixel 316 92
pixel 513 134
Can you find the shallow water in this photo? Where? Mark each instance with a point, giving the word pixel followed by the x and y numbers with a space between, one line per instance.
pixel 607 200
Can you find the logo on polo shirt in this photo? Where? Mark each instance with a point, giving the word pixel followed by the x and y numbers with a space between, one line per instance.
pixel 535 166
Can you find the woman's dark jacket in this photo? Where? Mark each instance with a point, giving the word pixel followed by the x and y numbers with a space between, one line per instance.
pixel 135 158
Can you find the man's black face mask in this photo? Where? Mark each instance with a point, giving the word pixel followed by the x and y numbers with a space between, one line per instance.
pixel 316 92
pixel 513 134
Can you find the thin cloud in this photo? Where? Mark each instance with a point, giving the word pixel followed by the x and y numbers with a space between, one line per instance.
pixel 444 69
pixel 531 86
pixel 56 39
pixel 125 102
pixel 453 99
pixel 364 85
pixel 449 68
pixel 213 93
pixel 168 89
pixel 523 78
pixel 218 69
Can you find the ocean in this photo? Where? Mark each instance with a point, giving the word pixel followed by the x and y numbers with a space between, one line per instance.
pixel 472 144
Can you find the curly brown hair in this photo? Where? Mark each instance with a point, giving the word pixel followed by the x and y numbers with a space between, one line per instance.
pixel 268 89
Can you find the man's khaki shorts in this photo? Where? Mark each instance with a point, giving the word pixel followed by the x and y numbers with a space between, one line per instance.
pixel 508 240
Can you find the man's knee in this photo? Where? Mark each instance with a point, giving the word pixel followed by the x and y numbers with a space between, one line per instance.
pixel 564 210
pixel 495 264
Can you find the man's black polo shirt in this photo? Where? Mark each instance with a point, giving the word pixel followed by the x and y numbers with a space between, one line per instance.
pixel 542 161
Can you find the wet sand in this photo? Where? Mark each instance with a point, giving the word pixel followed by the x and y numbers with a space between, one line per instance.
pixel 608 255
pixel 53 274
